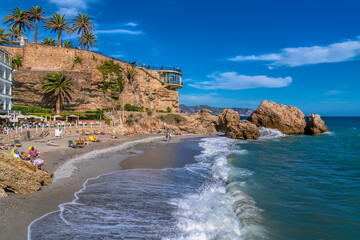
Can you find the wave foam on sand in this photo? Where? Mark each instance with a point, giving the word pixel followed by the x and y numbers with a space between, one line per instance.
pixel 68 168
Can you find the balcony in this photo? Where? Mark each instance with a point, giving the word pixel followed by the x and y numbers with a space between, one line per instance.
pixel 5 57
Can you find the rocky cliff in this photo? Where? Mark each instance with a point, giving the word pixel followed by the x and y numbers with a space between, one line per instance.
pixel 144 89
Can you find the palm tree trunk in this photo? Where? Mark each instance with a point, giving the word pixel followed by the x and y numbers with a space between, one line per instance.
pixel 36 30
pixel 59 38
pixel 87 47
pixel 58 105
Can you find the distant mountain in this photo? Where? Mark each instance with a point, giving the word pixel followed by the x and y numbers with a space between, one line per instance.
pixel 244 112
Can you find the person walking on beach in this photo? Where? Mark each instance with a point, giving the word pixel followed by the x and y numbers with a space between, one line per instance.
pixel 167 134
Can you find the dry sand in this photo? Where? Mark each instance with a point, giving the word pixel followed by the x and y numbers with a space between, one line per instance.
pixel 72 167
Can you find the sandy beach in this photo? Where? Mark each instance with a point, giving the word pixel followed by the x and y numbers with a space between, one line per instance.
pixel 72 167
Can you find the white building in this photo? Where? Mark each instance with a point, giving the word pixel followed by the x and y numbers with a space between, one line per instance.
pixel 5 80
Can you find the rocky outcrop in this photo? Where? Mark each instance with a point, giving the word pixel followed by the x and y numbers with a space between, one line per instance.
pixel 229 122
pixel 243 130
pixel 200 123
pixel 287 119
pixel 20 176
pixel 228 118
pixel 315 125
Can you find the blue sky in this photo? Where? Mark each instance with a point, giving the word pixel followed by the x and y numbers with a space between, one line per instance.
pixel 235 53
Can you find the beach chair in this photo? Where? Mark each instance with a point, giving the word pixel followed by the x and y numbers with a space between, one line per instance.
pixel 71 144
pixel 79 144
pixel 17 143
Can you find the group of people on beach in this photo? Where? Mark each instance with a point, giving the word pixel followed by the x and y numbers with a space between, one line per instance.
pixel 33 156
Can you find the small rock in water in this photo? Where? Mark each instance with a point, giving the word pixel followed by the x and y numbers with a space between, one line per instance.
pixel 315 125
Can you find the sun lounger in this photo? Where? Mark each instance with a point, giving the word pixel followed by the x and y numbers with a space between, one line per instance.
pixel 17 143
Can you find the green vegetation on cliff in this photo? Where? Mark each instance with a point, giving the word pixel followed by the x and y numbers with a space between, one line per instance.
pixel 113 79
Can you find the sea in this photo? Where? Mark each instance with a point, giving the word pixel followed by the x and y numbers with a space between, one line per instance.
pixel 277 187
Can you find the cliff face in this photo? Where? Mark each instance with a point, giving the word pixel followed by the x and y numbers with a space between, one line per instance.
pixel 144 89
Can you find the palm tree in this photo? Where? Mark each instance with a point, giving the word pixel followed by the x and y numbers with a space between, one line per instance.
pixel 18 18
pixel 88 40
pixel 83 24
pixel 49 41
pixel 57 87
pixel 58 23
pixel 15 33
pixel 4 37
pixel 67 44
pixel 36 14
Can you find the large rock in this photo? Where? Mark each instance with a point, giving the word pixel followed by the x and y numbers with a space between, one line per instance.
pixel 287 119
pixel 228 118
pixel 20 176
pixel 200 123
pixel 315 125
pixel 243 130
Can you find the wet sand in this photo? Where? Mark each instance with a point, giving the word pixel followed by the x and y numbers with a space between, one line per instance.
pixel 18 211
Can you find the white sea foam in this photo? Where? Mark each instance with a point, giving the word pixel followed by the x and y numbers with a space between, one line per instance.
pixel 328 133
pixel 68 168
pixel 219 211
pixel 270 133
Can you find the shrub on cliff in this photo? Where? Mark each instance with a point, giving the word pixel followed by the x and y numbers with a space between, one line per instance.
pixel 173 118
pixel 133 108
pixel 16 62
pixel 113 79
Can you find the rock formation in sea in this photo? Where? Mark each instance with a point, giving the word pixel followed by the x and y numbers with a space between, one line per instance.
pixel 287 119
pixel 200 123
pixel 315 125
pixel 19 176
pixel 227 118
pixel 243 130
pixel 229 122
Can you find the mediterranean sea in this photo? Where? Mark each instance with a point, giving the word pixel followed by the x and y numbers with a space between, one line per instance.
pixel 277 187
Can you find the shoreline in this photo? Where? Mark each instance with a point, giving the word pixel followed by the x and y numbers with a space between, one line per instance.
pixel 82 164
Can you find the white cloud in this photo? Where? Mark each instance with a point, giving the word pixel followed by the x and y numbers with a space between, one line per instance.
pixel 69 12
pixel 117 55
pixel 72 7
pixel 119 31
pixel 235 81
pixel 132 24
pixel 292 57
pixel 334 92
pixel 71 3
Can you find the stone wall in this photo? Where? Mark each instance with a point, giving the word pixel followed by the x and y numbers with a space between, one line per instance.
pixel 38 60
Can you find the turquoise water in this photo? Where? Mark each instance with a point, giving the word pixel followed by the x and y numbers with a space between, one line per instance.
pixel 307 187
pixel 277 187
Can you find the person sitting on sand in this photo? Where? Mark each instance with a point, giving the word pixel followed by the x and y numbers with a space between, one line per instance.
pixel 33 152
pixel 113 137
pixel 39 163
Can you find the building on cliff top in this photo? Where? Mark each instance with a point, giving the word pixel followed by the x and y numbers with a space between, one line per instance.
pixel 5 81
